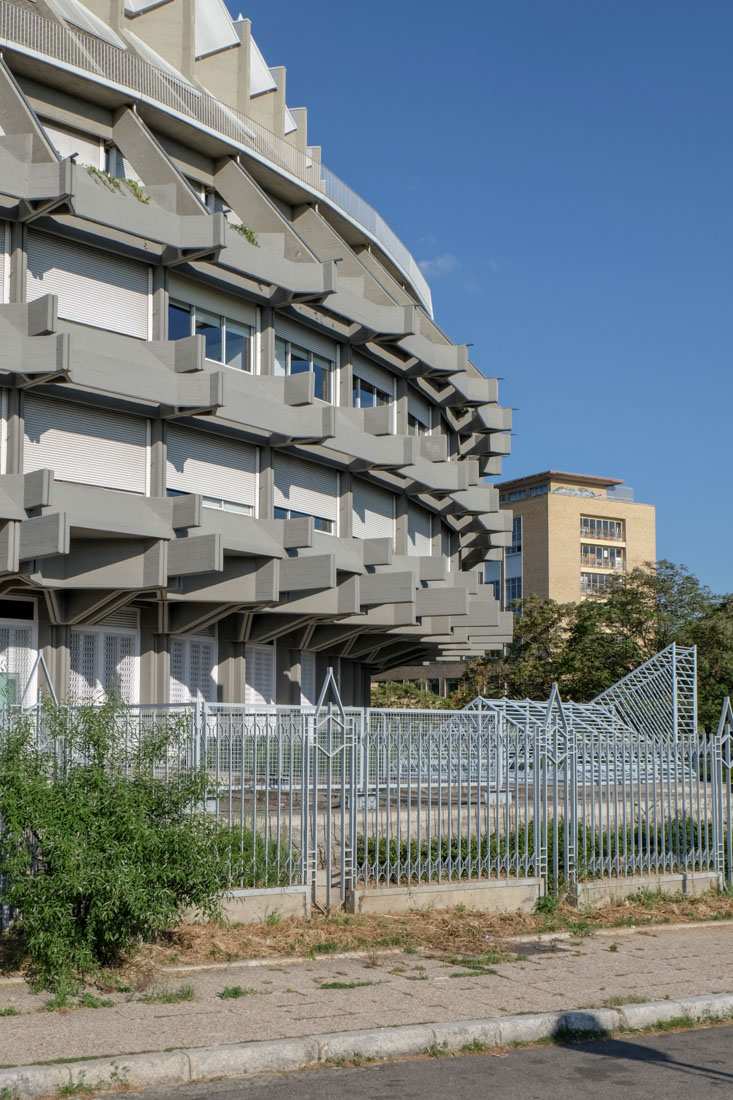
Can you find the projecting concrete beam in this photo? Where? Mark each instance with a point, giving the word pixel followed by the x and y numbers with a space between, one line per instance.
pixel 105 563
pixel 44 536
pixel 242 582
pixel 17 118
pixel 196 554
pixel 163 181
pixel 387 588
pixel 311 573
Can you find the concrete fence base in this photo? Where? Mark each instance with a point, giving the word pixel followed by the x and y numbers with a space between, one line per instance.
pixel 603 891
pixel 493 896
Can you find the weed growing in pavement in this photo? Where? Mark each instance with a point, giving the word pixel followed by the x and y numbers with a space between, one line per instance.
pixel 474 1047
pixel 624 999
pixel 436 1050
pixel 613 947
pixel 6 1093
pixel 88 1000
pixel 9 1012
pixel 170 996
pixel 75 1088
pixel 273 918
pixel 233 992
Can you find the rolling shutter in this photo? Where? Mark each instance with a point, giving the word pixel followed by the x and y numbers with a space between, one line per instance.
pixel 373 511
pixel 215 301
pixel 419 531
pixel 95 288
pixel 306 487
pixel 305 338
pixel 420 408
pixel 215 466
pixel 192 670
pixel 84 444
pixel 67 142
pixel 369 372
pixel 259 675
pixel 307 679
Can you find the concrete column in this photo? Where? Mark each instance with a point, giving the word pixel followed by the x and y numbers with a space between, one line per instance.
pixel 346 378
pixel 160 304
pixel 346 507
pixel 15 433
pixel 231 662
pixel 158 429
pixel 287 676
pixel 267 341
pixel 401 407
pixel 266 484
pixel 401 524
pixel 53 642
pixel 154 659
pixel 18 261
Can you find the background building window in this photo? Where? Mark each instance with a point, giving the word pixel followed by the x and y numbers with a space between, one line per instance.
pixel 594 582
pixel 516 546
pixel 596 528
pixel 512 592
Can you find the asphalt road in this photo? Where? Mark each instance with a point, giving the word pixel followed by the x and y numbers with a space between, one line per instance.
pixel 680 1066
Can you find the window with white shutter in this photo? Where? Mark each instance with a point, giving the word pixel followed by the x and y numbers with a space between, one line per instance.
pixel 104 660
pixel 306 489
pixel 419 414
pixel 372 385
pixel 193 664
pixel 66 142
pixel 373 511
pixel 419 531
pixel 4 262
pixel 299 350
pixel 95 288
pixel 223 470
pixel 84 444
pixel 259 675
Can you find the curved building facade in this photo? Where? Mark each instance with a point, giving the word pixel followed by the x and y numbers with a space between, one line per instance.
pixel 236 448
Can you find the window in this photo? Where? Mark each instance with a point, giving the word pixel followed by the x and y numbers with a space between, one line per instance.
pixel 539 490
pixel 319 523
pixel 368 396
pixel 518 494
pixel 415 426
pixel 593 583
pixel 291 359
pixel 226 341
pixel 512 592
pixel 596 528
pixel 516 546
pixel 603 557
pixel 306 489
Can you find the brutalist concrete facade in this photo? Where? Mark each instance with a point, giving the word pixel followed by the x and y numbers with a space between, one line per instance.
pixel 236 448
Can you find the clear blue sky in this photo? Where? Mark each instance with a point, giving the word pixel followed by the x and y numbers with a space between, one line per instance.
pixel 564 170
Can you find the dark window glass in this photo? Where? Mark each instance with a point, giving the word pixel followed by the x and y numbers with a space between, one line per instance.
pixel 209 327
pixel 299 361
pixel 179 322
pixel 237 348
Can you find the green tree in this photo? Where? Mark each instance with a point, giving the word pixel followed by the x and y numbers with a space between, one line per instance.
pixel 96 852
pixel 408 695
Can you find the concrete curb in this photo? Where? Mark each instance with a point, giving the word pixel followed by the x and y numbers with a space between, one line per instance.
pixel 183 1066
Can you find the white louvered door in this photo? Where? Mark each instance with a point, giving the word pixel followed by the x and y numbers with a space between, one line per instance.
pixel 96 288
pixel 85 444
pixel 306 487
pixel 217 467
pixel 373 511
pixel 104 662
pixel 17 654
pixel 4 262
pixel 259 675
pixel 419 531
pixel 192 670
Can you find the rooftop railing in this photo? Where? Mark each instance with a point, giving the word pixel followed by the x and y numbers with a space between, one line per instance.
pixel 35 35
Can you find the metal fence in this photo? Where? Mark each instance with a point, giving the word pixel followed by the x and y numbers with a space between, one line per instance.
pixel 330 797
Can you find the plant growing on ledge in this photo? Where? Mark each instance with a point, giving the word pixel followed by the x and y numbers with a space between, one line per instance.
pixel 247 233
pixel 116 183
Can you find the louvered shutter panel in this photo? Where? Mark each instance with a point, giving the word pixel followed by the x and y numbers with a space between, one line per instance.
pixel 420 408
pixel 16 661
pixel 305 337
pixel 83 661
pixel 419 531
pixel 4 261
pixel 259 689
pixel 373 511
pixel 119 666
pixel 66 142
pixel 307 679
pixel 364 368
pixel 214 466
pixel 85 444
pixel 95 288
pixel 306 487
pixel 178 689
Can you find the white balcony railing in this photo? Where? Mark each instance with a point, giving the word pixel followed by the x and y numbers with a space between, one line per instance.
pixel 30 33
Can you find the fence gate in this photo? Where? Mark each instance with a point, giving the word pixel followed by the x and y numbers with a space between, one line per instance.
pixel 331 857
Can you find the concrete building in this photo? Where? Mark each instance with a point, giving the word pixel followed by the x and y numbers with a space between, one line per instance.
pixel 570 533
pixel 236 448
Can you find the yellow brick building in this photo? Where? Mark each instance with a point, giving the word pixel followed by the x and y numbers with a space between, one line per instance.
pixel 570 534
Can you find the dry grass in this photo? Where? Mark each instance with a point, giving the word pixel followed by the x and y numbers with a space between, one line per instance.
pixel 458 930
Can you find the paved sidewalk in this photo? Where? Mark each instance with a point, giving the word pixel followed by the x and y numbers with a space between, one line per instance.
pixel 288 999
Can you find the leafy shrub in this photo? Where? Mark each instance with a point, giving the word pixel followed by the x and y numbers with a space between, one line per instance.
pixel 96 851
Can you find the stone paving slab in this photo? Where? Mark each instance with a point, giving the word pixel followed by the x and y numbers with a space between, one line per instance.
pixel 289 1001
